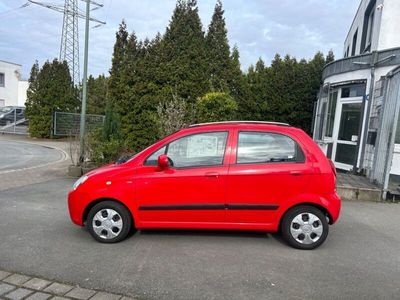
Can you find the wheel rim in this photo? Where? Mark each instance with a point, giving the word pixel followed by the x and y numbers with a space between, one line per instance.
pixel 107 223
pixel 306 228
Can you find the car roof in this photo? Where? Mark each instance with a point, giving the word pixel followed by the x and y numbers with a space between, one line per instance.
pixel 240 123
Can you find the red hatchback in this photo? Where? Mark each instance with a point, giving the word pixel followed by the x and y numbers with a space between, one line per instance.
pixel 261 176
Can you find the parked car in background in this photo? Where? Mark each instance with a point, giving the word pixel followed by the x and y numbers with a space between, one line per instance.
pixel 11 114
pixel 260 176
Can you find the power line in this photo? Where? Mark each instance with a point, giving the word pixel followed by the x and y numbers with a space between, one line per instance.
pixel 69 47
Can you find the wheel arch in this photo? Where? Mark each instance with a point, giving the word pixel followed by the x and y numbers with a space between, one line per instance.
pixel 94 202
pixel 316 205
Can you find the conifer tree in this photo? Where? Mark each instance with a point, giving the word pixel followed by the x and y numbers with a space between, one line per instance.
pixel 218 52
pixel 50 89
pixel 183 53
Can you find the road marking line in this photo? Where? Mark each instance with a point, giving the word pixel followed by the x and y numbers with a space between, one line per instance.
pixel 63 158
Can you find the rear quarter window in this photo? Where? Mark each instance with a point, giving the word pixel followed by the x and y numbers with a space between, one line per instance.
pixel 267 147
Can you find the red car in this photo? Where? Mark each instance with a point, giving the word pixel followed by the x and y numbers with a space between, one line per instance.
pixel 260 176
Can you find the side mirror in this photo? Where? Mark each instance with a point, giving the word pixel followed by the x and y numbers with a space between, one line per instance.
pixel 163 161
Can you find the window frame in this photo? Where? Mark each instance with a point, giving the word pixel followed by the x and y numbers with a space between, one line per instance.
pixel 4 79
pixel 166 145
pixel 298 147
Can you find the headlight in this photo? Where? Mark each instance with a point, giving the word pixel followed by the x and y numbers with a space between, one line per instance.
pixel 80 181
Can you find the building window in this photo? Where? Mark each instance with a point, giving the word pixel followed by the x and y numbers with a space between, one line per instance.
pixel 347 51
pixel 353 47
pixel 330 118
pixel 357 90
pixel 368 27
pixel 2 80
pixel 2 102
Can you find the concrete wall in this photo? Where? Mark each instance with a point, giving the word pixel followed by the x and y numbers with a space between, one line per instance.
pixel 385 33
pixel 14 90
pixel 390 25
pixel 22 88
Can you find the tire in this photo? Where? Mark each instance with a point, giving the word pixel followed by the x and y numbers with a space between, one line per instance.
pixel 304 227
pixel 109 222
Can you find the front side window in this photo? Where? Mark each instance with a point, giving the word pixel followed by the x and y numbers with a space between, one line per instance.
pixel 202 149
pixel 266 147
pixel 152 159
pixel 2 80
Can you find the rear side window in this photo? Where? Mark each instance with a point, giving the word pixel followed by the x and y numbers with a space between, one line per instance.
pixel 267 147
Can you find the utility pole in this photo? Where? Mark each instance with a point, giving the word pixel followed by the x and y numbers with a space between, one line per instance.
pixel 69 49
pixel 84 85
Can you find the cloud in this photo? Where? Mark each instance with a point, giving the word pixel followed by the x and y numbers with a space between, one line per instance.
pixel 260 28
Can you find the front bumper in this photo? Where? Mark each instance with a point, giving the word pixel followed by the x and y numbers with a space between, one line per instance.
pixel 76 207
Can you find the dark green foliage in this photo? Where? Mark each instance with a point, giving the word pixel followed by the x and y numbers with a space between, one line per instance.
pixel 105 145
pixel 50 89
pixel 218 52
pixel 97 95
pixel 216 106
pixel 204 74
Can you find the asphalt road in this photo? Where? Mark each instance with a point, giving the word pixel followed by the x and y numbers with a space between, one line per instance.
pixel 359 260
pixel 15 155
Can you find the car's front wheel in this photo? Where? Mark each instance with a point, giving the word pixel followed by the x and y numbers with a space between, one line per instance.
pixel 305 227
pixel 109 222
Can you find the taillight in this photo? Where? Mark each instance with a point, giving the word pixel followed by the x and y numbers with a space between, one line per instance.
pixel 333 167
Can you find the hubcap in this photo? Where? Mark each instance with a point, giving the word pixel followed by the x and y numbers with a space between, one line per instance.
pixel 306 228
pixel 107 223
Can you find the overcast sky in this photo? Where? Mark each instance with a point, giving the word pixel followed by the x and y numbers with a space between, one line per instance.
pixel 260 28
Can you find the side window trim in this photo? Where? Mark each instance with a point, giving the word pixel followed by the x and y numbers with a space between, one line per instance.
pixel 298 148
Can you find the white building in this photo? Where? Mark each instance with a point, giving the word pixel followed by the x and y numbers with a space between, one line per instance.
pixel 355 121
pixel 12 87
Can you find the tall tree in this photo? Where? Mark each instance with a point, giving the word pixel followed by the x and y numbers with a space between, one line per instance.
pixel 183 54
pixel 50 89
pixel 97 95
pixel 115 85
pixel 218 51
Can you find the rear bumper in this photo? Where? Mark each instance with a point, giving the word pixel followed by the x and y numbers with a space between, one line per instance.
pixel 333 205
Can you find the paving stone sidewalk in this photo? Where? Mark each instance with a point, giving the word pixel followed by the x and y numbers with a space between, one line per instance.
pixel 15 286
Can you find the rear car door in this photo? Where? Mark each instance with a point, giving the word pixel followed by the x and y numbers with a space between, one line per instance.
pixel 269 168
pixel 189 191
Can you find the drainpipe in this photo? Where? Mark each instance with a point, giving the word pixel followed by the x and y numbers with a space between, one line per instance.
pixel 363 140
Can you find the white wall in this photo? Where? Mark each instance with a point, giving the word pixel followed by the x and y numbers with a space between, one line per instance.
pixel 14 90
pixel 22 88
pixel 386 26
pixel 390 25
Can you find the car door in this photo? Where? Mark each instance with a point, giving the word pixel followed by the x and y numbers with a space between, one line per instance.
pixel 192 189
pixel 269 168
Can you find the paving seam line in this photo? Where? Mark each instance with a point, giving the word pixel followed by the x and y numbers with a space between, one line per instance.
pixel 70 291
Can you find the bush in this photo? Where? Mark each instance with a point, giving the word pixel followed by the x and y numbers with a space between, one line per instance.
pixel 216 106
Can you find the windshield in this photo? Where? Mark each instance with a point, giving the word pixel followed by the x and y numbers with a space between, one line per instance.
pixel 6 109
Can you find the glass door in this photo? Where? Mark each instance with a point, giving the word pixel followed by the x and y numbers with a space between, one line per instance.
pixel 345 148
pixel 347 125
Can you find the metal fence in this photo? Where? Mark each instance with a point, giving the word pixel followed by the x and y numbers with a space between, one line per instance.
pixel 12 120
pixel 68 124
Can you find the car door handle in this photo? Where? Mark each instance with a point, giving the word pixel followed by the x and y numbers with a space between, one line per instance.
pixel 212 174
pixel 296 173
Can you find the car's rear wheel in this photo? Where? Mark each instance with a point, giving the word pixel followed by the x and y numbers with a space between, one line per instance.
pixel 109 222
pixel 305 227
